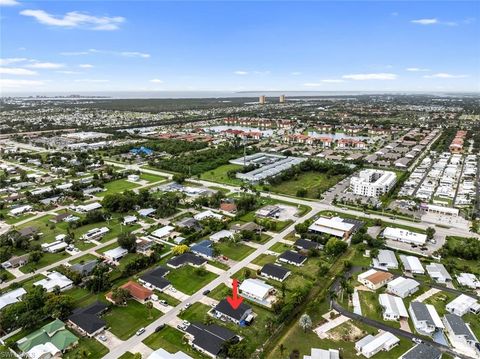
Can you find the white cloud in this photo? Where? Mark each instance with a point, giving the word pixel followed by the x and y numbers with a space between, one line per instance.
pixel 333 81
pixel 416 69
pixel 312 84
pixel 45 65
pixel 67 72
pixel 16 71
pixel 444 75
pixel 431 21
pixel 135 54
pixel 107 52
pixel 10 83
pixel 12 60
pixel 91 80
pixel 296 73
pixel 75 19
pixel 374 76
pixel 9 3
pixel 156 81
pixel 241 73
pixel 85 66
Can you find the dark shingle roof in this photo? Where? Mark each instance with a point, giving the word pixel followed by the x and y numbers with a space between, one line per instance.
pixel 306 244
pixel 85 268
pixel 156 277
pixel 459 327
pixel 292 256
pixel 422 351
pixel 274 270
pixel 209 337
pixel 422 313
pixel 88 318
pixel 186 258
pixel 225 308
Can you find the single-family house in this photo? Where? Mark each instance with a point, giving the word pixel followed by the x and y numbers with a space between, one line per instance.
pixel 371 345
pixel 274 272
pixel 412 264
pixel 87 320
pixel 374 279
pixel 393 307
pixel 403 287
pixel 462 305
pixel 209 339
pixel 237 315
pixel 422 351
pixel 438 272
pixel 155 279
pixel 292 258
pixel 385 260
pixel 425 318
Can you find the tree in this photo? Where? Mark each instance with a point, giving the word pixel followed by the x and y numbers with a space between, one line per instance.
pixel 120 296
pixel 430 232
pixel 282 349
pixel 305 322
pixel 335 246
pixel 58 306
pixel 127 241
pixel 302 192
pixel 238 351
pixel 35 256
pixel 180 249
pixel 149 306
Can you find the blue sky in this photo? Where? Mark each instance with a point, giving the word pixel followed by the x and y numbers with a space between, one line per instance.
pixel 158 45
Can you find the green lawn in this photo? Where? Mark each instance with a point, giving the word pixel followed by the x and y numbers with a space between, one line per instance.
pixel 169 299
pixel 127 355
pixel 28 283
pixel 280 247
pixel 47 259
pixel 263 259
pixel 188 279
pixel 125 321
pixel 314 182
pixel 87 348
pixel 171 340
pixel 220 292
pixel 117 186
pixel 219 174
pixel 150 177
pixel 85 258
pixel 44 226
pixel 115 229
pixel 440 300
pixel 235 251
pixel 196 313
pixel 371 308
pixel 82 297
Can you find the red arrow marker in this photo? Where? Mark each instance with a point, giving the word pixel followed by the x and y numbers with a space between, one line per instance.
pixel 236 300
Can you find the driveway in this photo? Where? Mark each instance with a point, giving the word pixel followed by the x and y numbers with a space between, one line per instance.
pixel 324 328
pixel 142 349
pixel 213 269
pixel 426 295
pixel 111 342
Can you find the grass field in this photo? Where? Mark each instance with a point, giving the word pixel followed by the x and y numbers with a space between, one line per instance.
pixel 263 259
pixel 117 186
pixel 151 177
pixel 219 174
pixel 135 314
pixel 47 259
pixel 189 279
pixel 280 247
pixel 196 313
pixel 171 340
pixel 85 258
pixel 87 348
pixel 235 251
pixel 314 183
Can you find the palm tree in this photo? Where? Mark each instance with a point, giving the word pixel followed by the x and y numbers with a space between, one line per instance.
pixel 149 306
pixel 305 322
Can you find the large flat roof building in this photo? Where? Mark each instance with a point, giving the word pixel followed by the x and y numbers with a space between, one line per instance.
pixel 402 235
pixel 334 226
pixel 373 183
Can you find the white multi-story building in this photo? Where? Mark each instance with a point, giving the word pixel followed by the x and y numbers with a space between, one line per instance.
pixel 373 183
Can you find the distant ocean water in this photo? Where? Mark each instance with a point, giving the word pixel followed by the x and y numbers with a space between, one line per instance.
pixel 209 94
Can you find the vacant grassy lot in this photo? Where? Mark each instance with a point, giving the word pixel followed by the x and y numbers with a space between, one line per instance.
pixel 87 348
pixel 171 340
pixel 219 174
pixel 280 247
pixel 189 279
pixel 83 259
pixel 196 313
pixel 314 183
pixel 117 186
pixel 135 314
pixel 235 251
pixel 263 259
pixel 47 259
pixel 151 177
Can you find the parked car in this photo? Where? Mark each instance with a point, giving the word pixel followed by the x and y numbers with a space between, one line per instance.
pixel 160 327
pixel 205 292
pixel 140 331
pixel 103 338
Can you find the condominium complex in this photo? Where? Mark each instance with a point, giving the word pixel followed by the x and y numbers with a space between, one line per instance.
pixel 373 183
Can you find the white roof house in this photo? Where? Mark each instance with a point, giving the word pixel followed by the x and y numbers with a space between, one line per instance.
pixel 115 254
pixel 462 305
pixel 129 220
pixel 55 279
pixel 163 354
pixel 402 235
pixel 162 232
pixel 144 212
pixel 412 264
pixel 468 280
pixel 88 207
pixel 438 272
pixel 403 287
pixel 323 354
pixel 221 235
pixel 334 226
pixel 386 259
pixel 19 210
pixel 255 288
pixel 11 297
pixel 207 214
pixel 393 307
pixel 371 345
